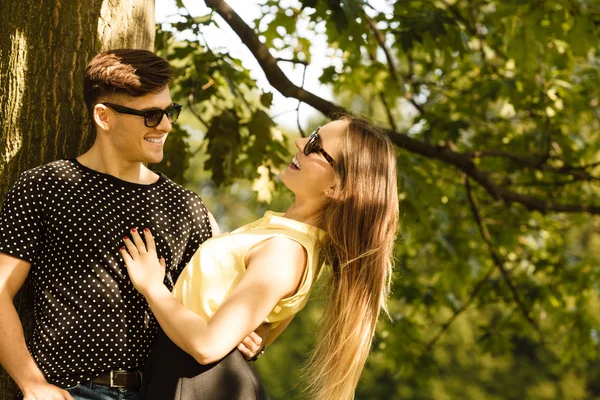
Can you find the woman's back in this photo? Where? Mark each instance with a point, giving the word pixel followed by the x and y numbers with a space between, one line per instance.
pixel 220 263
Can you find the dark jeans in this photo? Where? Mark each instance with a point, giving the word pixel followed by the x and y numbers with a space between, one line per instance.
pixel 91 391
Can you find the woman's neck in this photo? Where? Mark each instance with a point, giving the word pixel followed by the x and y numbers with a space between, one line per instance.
pixel 308 212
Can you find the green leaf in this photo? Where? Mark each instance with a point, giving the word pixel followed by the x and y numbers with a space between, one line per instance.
pixel 309 3
pixel 260 129
pixel 224 141
pixel 266 99
pixel 203 19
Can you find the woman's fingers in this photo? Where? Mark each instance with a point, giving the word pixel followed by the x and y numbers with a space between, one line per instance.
pixel 150 245
pixel 137 239
pixel 126 255
pixel 245 351
pixel 251 346
pixel 130 246
pixel 253 341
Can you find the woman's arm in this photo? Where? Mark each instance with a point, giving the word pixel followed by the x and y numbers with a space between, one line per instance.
pixel 254 342
pixel 274 271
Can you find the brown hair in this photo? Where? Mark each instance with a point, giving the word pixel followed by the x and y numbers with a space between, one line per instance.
pixel 361 222
pixel 131 72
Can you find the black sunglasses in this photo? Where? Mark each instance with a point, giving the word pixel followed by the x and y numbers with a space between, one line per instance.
pixel 153 116
pixel 313 146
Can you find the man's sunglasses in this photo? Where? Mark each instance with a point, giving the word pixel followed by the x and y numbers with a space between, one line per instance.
pixel 314 146
pixel 153 116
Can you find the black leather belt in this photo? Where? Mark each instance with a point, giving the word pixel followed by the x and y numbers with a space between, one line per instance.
pixel 119 379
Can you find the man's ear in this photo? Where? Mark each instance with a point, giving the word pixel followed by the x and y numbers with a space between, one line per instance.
pixel 101 116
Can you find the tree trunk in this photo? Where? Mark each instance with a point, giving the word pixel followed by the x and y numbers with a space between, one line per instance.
pixel 44 48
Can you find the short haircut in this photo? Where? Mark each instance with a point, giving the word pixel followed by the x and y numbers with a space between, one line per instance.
pixel 130 72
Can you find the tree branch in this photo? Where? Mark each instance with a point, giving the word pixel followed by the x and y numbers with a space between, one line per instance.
pixel 577 171
pixel 190 106
pixel 268 63
pixel 475 292
pixel 393 71
pixel 292 61
pixel 391 66
pixel 461 161
pixel 551 184
pixel 586 166
pixel 381 41
pixel 465 164
pixel 384 102
pixel 485 234
pixel 465 305
pixel 474 30
pixel 300 103
pixel 388 111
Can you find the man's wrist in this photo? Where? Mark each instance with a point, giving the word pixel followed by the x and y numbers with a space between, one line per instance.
pixel 27 386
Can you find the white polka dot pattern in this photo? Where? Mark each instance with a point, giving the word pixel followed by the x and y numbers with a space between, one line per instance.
pixel 68 221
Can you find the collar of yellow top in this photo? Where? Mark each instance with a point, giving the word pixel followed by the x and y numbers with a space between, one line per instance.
pixel 275 219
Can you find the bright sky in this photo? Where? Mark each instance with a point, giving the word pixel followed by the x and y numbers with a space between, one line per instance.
pixel 225 38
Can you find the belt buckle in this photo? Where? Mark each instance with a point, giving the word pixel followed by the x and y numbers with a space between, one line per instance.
pixel 111 379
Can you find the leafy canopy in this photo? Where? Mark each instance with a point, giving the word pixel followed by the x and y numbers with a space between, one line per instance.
pixel 496 293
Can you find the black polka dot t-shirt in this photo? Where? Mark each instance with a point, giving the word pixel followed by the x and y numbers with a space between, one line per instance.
pixel 69 221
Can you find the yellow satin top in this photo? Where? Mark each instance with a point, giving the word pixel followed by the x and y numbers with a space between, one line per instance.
pixel 218 266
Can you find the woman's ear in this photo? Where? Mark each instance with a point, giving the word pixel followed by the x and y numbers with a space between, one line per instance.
pixel 330 192
pixel 101 116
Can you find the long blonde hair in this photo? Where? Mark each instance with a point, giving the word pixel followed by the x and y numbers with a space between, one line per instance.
pixel 361 222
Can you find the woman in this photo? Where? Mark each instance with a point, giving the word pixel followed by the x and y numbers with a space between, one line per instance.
pixel 345 213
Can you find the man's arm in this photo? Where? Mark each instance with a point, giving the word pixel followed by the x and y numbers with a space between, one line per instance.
pixel 14 355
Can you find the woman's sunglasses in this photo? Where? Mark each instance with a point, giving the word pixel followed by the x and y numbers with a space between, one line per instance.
pixel 314 146
pixel 153 116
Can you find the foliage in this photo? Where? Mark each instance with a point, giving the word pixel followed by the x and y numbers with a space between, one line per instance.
pixel 221 94
pixel 491 300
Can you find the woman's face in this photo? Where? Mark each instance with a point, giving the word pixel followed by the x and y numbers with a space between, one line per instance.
pixel 309 176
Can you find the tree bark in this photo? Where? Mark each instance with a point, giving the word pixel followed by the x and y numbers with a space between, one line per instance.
pixel 44 49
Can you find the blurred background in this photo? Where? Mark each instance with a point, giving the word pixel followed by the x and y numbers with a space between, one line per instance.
pixel 493 107
pixel 493 298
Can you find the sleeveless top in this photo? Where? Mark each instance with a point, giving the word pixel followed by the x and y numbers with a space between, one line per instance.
pixel 219 265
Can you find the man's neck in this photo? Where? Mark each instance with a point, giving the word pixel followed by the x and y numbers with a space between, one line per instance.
pixel 107 163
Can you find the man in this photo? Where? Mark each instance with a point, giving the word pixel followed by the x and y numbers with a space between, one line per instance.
pixel 62 224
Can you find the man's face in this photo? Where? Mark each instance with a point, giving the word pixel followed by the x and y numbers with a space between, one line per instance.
pixel 130 137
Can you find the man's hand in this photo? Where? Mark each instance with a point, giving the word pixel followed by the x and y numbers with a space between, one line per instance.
pixel 46 391
pixel 254 342
pixel 14 356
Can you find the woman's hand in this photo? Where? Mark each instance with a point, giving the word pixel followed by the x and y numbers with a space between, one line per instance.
pixel 253 345
pixel 143 266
